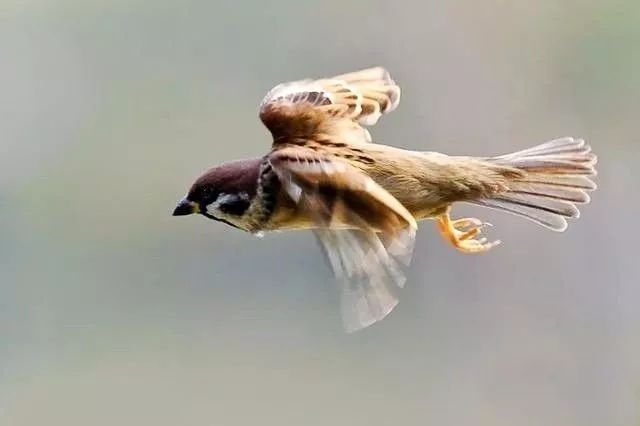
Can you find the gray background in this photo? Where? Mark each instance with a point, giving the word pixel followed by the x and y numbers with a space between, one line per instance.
pixel 114 312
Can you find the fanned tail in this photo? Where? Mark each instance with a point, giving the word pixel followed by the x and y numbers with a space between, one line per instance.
pixel 556 176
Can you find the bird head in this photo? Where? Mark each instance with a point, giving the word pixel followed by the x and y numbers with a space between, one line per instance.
pixel 222 193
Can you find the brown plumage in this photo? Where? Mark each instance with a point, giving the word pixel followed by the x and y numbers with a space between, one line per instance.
pixel 362 199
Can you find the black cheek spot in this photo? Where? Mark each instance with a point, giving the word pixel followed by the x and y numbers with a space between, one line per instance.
pixel 236 206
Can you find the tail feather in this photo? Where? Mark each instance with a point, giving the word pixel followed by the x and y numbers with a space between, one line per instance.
pixel 555 176
pixel 562 145
pixel 575 195
pixel 578 182
pixel 541 217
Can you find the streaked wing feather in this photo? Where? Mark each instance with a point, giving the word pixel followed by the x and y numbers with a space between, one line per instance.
pixel 330 177
pixel 336 105
pixel 366 234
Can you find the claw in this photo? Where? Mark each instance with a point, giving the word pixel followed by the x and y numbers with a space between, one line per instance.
pixel 461 233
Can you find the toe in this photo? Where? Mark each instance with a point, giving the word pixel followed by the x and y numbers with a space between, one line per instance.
pixel 469 222
pixel 469 234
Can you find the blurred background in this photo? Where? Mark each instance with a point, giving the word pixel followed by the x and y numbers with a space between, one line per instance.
pixel 114 312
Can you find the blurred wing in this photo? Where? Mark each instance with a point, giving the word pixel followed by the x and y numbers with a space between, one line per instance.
pixel 366 234
pixel 368 272
pixel 329 106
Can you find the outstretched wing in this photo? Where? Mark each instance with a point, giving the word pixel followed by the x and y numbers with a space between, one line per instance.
pixel 329 107
pixel 366 233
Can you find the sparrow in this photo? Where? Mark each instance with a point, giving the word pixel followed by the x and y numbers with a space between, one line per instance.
pixel 363 199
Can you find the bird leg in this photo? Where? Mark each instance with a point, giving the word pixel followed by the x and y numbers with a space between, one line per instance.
pixel 462 232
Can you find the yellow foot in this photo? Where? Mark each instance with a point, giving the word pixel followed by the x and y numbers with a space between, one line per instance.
pixel 462 232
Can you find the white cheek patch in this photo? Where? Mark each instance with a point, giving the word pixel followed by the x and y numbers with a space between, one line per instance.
pixel 212 209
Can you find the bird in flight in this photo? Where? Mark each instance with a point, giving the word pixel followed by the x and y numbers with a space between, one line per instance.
pixel 363 200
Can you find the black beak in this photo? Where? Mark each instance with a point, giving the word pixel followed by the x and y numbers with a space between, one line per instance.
pixel 185 207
